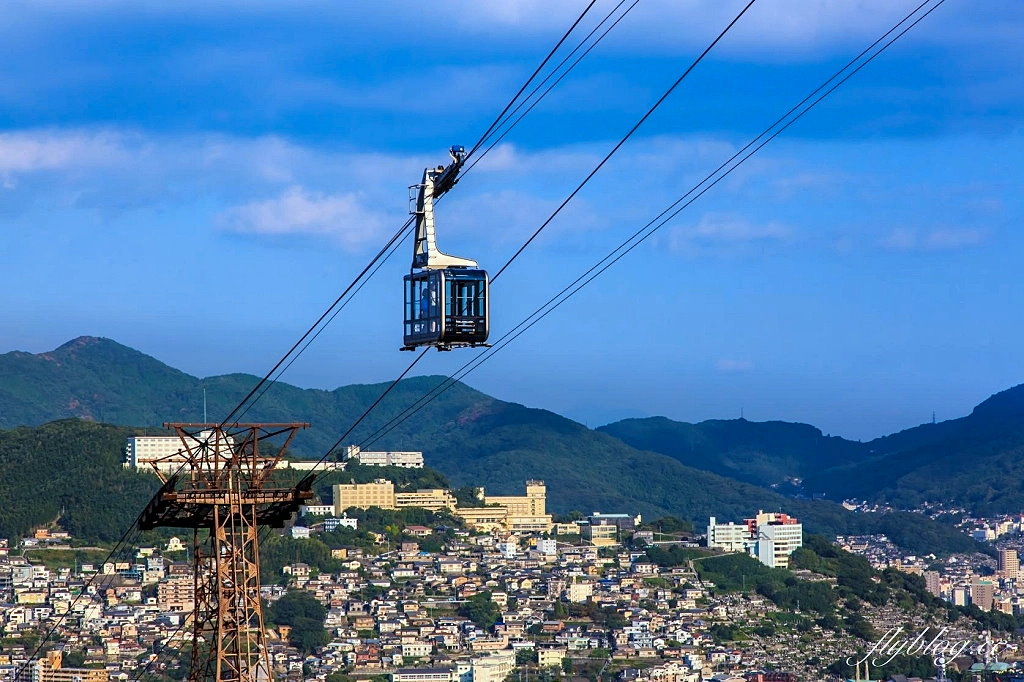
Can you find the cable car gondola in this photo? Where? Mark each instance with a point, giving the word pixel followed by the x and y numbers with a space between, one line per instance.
pixel 446 297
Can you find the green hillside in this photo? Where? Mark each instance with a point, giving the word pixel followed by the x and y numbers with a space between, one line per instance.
pixel 472 438
pixel 69 471
pixel 763 453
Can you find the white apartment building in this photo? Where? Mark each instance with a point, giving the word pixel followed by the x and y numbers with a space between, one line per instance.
pixel 776 541
pixel 317 509
pixel 732 537
pixel 406 460
pixel 168 453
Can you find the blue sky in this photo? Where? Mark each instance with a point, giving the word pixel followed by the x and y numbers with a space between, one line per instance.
pixel 199 181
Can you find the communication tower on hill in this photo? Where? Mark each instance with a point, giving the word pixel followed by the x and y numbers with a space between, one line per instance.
pixel 223 490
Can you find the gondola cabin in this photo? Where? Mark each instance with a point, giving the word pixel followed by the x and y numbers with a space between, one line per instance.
pixel 446 308
pixel 446 297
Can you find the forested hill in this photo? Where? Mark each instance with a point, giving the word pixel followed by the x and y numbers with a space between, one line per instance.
pixel 471 437
pixel 763 453
pixel 70 471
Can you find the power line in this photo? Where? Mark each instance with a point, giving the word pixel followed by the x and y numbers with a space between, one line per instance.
pixel 663 217
pixel 624 138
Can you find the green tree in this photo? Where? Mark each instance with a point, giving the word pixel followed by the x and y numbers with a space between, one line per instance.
pixel 481 610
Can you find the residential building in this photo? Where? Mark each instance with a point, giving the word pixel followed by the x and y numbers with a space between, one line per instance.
pixel 379 493
pixel 340 522
pixel 982 594
pixel 1009 564
pixel 406 460
pixel 776 540
pixel 50 669
pixel 168 453
pixel 933 582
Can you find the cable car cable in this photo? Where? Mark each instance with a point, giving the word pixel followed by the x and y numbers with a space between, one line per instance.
pixel 505 340
pixel 522 103
pixel 624 139
pixel 530 79
pixel 324 326
pixel 558 80
pixel 320 319
pixel 313 473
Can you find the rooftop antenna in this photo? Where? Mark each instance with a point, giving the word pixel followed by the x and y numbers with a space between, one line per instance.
pixel 205 420
pixel 933 416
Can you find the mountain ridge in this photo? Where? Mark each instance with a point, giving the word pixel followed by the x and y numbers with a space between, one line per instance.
pixel 471 437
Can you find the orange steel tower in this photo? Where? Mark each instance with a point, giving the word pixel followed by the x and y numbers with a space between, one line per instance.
pixel 219 485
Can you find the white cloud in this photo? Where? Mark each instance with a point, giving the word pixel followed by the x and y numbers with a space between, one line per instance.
pixel 726 230
pixel 342 218
pixel 33 151
pixel 941 239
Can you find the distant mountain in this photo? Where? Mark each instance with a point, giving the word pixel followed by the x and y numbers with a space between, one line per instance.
pixel 976 461
pixel 763 453
pixel 469 436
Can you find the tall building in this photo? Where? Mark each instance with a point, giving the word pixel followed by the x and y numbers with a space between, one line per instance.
pixel 523 513
pixel 1009 564
pixel 933 582
pixel 982 594
pixel 776 541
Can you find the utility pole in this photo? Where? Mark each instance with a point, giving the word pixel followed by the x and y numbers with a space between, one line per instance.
pixel 219 485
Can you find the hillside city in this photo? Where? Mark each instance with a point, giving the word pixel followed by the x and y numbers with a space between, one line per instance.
pixel 499 589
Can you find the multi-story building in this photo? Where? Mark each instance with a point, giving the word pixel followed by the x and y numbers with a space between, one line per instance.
pixel 524 513
pixel 176 593
pixel 732 537
pixel 769 537
pixel 776 540
pixel 982 593
pixel 494 667
pixel 379 493
pixel 600 534
pixel 431 498
pixel 316 509
pixel 933 582
pixel 50 669
pixel 406 460
pixel 485 519
pixel 1009 564
pixel 167 453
